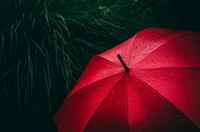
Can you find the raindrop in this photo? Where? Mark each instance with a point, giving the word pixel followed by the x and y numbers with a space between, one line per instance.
pixel 171 73
pixel 123 99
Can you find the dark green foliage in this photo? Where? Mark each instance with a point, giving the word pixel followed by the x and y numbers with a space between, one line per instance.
pixel 46 44
pixel 135 15
pixel 44 47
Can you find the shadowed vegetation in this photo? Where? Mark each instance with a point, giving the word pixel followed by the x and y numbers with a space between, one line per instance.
pixel 46 44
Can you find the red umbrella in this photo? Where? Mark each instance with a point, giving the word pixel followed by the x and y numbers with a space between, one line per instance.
pixel 149 83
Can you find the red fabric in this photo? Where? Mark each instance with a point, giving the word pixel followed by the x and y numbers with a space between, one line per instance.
pixel 160 93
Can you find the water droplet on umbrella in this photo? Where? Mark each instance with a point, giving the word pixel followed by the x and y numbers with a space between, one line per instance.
pixel 171 73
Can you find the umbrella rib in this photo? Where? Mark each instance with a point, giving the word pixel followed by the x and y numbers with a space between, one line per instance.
pixel 159 68
pixel 132 47
pixel 127 108
pixel 176 37
pixel 134 83
pixel 153 90
pixel 151 44
pixel 93 83
pixel 104 99
pixel 111 62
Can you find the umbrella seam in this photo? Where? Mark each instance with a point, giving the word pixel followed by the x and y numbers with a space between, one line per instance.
pixel 127 111
pixel 194 68
pixel 111 62
pixel 132 48
pixel 108 60
pixel 92 84
pixel 136 35
pixel 104 99
pixel 135 85
pixel 190 121
pixel 153 42
pixel 176 37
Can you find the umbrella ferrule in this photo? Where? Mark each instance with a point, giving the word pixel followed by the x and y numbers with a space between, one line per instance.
pixel 126 68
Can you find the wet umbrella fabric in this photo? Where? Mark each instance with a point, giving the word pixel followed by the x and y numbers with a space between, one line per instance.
pixel 156 89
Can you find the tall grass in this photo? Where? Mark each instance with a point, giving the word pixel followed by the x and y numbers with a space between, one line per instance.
pixel 45 45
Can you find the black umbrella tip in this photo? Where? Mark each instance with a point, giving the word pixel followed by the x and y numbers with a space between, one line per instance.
pixel 127 69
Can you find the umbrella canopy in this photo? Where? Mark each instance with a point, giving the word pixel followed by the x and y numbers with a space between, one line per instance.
pixel 149 83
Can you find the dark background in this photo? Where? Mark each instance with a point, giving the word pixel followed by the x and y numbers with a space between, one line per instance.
pixel 46 44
